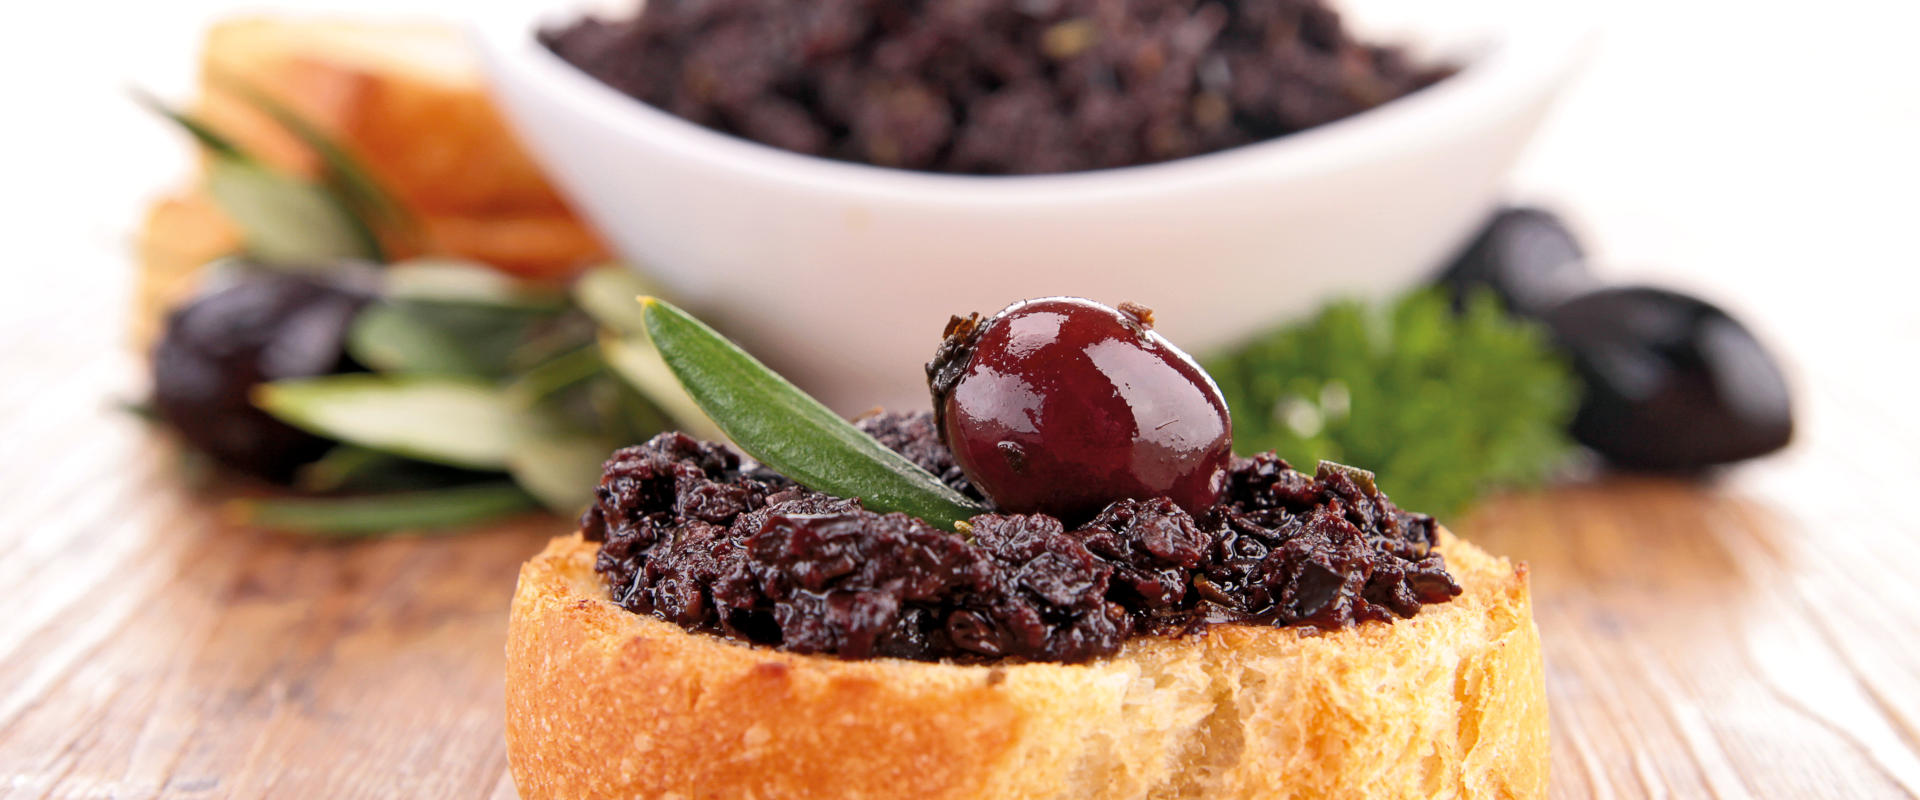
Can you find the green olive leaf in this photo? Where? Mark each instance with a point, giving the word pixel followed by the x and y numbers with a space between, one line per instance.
pixel 390 338
pixel 788 430
pixel 456 282
pixel 282 218
pixel 443 420
pixel 285 219
pixel 608 295
pixel 213 140
pixel 378 514
pixel 350 180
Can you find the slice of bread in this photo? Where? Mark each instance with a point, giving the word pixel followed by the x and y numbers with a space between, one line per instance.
pixel 606 703
pixel 407 98
pixel 177 238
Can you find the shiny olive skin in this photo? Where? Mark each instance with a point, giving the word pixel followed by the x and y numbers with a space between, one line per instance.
pixel 1062 405
pixel 1672 382
pixel 264 326
pixel 1526 256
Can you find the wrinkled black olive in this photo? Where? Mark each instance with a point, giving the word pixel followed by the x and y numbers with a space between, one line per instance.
pixel 1527 256
pixel 1672 382
pixel 264 326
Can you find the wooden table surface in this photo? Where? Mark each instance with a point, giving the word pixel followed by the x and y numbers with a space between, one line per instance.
pixel 1753 636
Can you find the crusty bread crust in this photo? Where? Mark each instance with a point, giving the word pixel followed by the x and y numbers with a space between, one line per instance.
pixel 603 703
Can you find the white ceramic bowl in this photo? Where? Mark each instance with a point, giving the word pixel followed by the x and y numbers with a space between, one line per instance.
pixel 842 275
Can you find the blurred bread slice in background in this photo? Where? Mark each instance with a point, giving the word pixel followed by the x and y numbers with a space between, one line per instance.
pixel 179 236
pixel 406 99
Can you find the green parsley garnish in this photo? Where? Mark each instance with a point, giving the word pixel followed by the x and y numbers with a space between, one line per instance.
pixel 1443 406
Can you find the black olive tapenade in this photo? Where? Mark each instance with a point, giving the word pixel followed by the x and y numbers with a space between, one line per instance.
pixel 692 534
pixel 995 86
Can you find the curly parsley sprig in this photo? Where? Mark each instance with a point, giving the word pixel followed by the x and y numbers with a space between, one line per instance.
pixel 1442 406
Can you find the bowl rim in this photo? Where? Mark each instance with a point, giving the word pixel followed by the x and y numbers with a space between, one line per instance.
pixel 1531 51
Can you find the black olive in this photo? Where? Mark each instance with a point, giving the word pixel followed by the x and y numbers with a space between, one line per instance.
pixel 1672 382
pixel 1527 256
pixel 264 326
pixel 1062 406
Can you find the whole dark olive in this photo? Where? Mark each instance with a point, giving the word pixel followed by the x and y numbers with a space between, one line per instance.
pixel 264 326
pixel 1062 406
pixel 1526 256
pixel 1672 382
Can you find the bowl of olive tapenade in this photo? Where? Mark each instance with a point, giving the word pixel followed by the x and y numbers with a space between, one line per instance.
pixel 1058 582
pixel 902 159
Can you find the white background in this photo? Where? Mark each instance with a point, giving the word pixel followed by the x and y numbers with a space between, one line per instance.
pixel 1762 153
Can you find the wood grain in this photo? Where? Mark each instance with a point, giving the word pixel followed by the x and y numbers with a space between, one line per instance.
pixel 1751 636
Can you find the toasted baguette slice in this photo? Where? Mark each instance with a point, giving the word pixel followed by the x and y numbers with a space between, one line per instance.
pixel 605 703
pixel 407 98
pixel 177 238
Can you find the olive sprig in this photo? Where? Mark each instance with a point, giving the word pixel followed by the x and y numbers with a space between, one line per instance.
pixel 375 210
pixel 476 381
pixel 284 218
pixel 788 430
pixel 473 394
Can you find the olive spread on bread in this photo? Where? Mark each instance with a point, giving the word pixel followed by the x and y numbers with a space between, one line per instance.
pixel 1133 518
